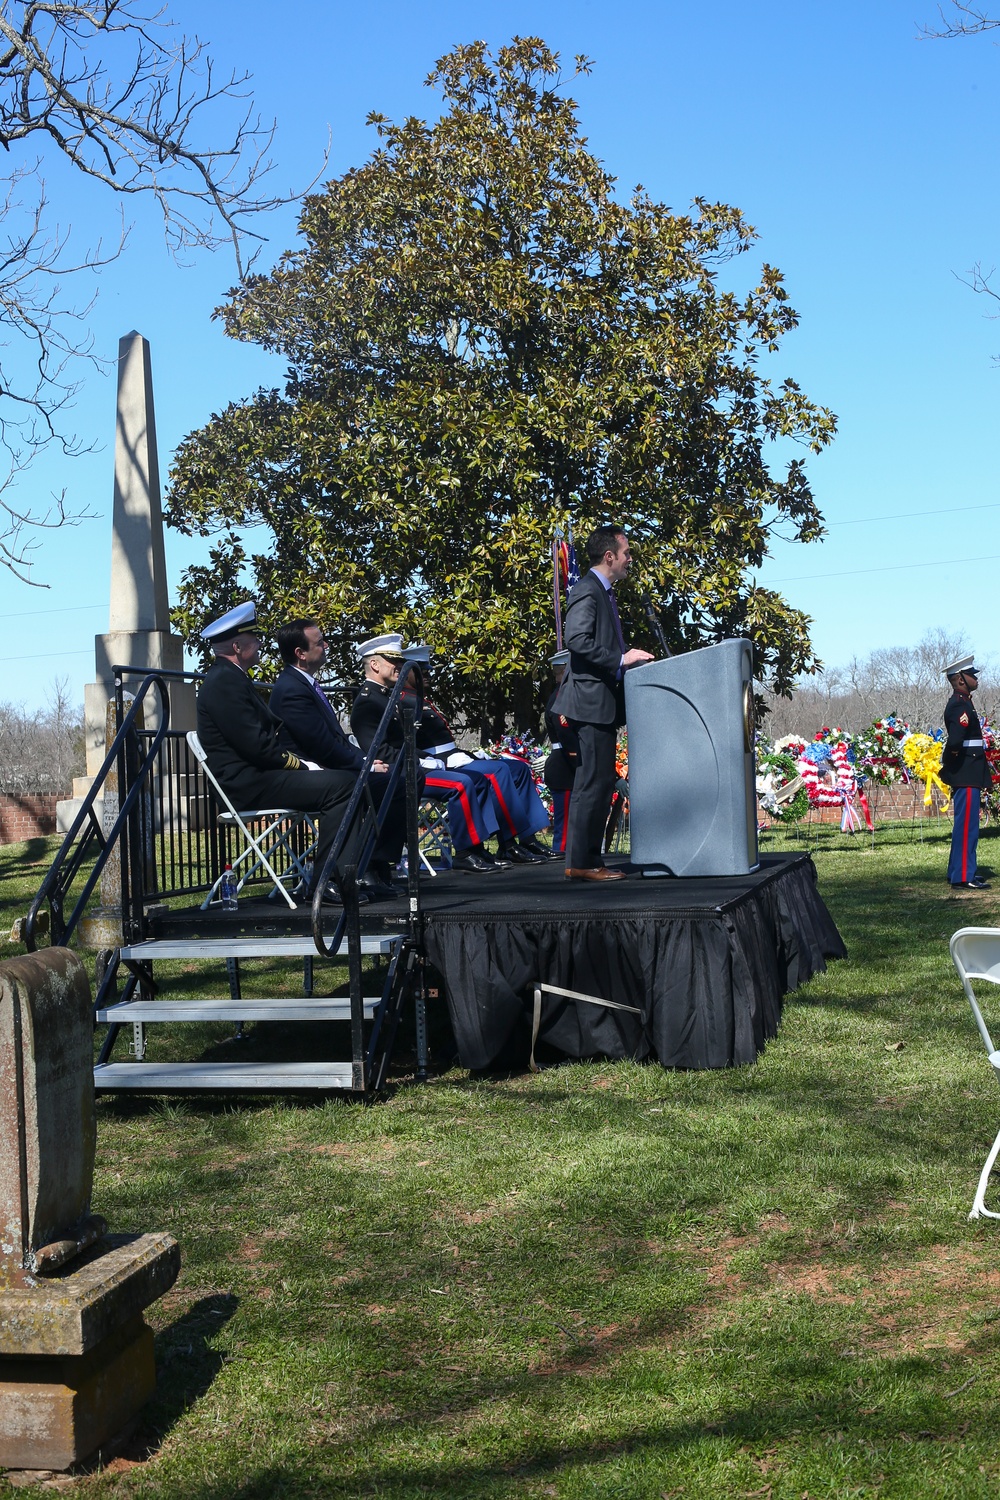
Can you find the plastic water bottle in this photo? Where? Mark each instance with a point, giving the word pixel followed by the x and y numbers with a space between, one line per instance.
pixel 227 890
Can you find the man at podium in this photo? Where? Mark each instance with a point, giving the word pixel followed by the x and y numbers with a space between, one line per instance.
pixel 592 697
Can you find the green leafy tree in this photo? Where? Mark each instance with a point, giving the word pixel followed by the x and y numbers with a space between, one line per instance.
pixel 484 343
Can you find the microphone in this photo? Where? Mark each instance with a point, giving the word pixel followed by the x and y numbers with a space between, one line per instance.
pixel 654 621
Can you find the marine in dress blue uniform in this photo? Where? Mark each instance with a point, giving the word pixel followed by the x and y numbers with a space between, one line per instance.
pixel 468 806
pixel 518 810
pixel 965 769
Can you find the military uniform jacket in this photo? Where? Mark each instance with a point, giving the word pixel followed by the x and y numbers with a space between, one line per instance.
pixel 434 733
pixel 309 724
pixel 237 729
pixel 962 763
pixel 561 764
pixel 366 716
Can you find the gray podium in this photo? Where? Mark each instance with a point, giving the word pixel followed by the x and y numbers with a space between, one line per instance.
pixel 691 776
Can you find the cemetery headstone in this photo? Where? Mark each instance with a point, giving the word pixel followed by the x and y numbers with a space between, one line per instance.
pixel 76 1356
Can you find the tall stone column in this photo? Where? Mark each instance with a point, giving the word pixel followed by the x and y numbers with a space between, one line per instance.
pixel 139 620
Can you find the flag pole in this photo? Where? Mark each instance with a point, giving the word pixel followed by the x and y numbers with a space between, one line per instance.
pixel 556 603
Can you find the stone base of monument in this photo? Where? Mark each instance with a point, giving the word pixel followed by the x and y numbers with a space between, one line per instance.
pixel 76 1357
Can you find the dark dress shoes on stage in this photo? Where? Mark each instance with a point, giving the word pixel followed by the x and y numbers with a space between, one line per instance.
pixel 976 884
pixel 521 854
pixel 472 859
pixel 331 897
pixel 542 851
pixel 375 889
pixel 600 873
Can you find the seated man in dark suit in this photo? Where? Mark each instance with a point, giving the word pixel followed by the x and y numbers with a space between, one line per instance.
pixel 310 728
pixel 239 735
pixel 592 697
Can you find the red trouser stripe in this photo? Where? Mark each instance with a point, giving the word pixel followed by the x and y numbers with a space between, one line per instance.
pixel 442 783
pixel 965 834
pixel 494 783
pixel 561 846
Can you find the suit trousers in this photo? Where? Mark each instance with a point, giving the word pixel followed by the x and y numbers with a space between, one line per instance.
pixel 591 801
pixel 393 836
pixel 325 793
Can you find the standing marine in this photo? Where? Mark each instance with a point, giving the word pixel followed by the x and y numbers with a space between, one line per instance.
pixel 966 770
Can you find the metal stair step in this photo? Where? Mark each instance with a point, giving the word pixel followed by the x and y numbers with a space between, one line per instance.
pixel 292 1009
pixel 171 1077
pixel 242 947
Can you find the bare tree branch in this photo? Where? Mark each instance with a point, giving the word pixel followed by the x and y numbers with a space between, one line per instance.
pixel 962 20
pixel 111 87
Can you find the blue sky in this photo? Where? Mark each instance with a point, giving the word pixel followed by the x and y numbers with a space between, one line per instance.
pixel 864 156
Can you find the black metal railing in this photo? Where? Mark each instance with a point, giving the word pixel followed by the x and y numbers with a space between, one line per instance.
pixel 351 852
pixel 86 837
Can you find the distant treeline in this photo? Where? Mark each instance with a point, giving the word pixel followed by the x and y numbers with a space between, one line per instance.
pixel 41 750
pixel 901 680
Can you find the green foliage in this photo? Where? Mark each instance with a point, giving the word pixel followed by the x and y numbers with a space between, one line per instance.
pixel 484 343
pixel 607 1281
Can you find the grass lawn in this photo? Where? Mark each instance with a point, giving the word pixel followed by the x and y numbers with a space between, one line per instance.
pixel 605 1280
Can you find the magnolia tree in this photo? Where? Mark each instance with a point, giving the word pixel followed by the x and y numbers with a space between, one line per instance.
pixel 484 342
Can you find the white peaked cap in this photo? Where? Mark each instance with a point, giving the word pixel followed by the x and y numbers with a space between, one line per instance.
pixel 964 664
pixel 242 617
pixel 381 645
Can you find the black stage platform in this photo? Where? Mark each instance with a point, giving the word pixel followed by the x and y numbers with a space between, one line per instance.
pixel 708 961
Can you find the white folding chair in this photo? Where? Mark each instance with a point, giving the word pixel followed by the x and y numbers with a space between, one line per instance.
pixel 272 842
pixel 436 836
pixel 975 952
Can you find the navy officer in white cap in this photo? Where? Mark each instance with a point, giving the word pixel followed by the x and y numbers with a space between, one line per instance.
pixel 966 770
pixel 240 735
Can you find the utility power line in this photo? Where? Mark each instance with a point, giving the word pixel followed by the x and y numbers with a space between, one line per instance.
pixel 939 562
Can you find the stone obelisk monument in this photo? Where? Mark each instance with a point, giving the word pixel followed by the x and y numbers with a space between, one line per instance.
pixel 139 623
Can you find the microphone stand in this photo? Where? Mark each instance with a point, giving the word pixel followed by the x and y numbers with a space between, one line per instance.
pixel 654 621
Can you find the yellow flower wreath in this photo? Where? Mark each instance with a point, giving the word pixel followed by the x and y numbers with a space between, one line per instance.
pixel 923 759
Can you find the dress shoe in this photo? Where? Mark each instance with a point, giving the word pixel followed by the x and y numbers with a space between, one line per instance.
pixel 331 896
pixel 375 889
pixel 473 860
pixel 977 883
pixel 541 850
pixel 519 854
pixel 601 872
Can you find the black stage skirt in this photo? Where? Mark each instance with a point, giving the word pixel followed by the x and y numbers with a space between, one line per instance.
pixel 707 961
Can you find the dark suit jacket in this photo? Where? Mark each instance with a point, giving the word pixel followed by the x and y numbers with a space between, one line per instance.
pixel 310 726
pixel 591 691
pixel 237 729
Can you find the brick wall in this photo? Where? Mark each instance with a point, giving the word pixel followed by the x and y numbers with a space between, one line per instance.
pixel 888 804
pixel 29 816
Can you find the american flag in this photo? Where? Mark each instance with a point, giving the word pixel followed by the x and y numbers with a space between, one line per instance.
pixel 569 568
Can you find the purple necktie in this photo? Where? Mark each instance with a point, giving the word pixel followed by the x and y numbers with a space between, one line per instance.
pixel 618 620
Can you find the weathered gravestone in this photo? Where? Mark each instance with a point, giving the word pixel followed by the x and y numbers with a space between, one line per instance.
pixel 76 1357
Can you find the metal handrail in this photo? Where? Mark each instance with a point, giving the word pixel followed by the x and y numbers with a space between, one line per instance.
pixel 346 881
pixel 53 889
